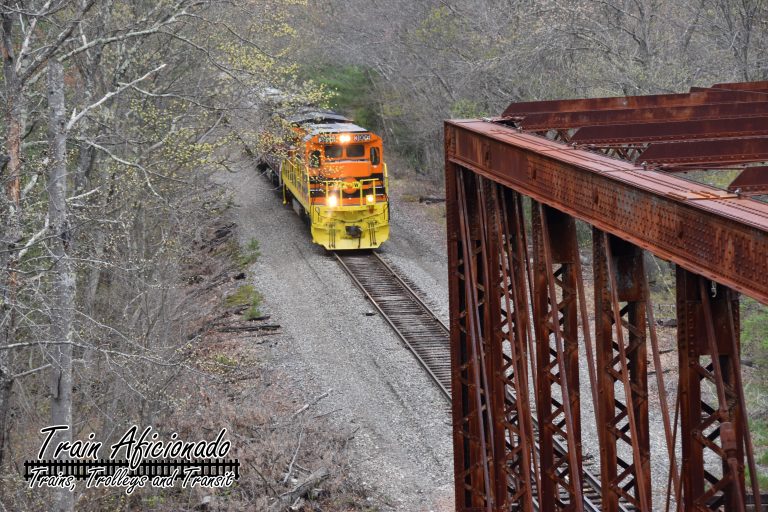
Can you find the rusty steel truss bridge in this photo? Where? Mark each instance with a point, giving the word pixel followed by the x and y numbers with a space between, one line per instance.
pixel 528 348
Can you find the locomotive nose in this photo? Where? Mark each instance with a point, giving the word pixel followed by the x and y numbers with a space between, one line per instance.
pixel 354 231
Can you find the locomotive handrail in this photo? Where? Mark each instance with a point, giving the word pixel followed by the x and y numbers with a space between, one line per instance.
pixel 340 184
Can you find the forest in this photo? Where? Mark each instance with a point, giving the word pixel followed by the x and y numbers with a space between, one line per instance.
pixel 117 113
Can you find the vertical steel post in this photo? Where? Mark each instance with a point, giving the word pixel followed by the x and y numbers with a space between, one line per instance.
pixel 515 417
pixel 491 282
pixel 622 365
pixel 711 428
pixel 472 423
pixel 460 371
pixel 555 320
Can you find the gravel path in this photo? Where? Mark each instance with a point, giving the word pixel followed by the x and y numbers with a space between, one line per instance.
pixel 399 421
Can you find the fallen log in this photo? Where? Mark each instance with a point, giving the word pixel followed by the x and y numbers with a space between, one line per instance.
pixel 248 328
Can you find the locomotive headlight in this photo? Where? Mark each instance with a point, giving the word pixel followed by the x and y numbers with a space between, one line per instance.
pixel 333 201
pixel 370 198
pixel 345 138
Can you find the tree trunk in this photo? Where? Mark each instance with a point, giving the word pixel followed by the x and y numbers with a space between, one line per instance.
pixel 63 292
pixel 10 212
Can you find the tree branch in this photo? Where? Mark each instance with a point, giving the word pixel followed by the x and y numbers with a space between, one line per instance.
pixel 63 36
pixel 76 117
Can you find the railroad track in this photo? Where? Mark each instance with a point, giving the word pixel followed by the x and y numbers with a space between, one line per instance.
pixel 413 321
pixel 425 335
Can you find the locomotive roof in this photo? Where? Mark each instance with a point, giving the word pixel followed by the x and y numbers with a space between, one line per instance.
pixel 315 129
pixel 310 115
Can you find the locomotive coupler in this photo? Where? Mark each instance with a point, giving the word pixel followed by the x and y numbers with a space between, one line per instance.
pixel 354 231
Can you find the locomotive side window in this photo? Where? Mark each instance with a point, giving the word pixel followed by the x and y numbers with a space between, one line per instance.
pixel 355 151
pixel 314 158
pixel 375 156
pixel 333 151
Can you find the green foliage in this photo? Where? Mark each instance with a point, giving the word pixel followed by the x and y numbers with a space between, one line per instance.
pixel 754 329
pixel 762 479
pixel 468 109
pixel 438 30
pixel 246 295
pixel 253 312
pixel 352 91
pixel 224 360
pixel 249 254
pixel 241 296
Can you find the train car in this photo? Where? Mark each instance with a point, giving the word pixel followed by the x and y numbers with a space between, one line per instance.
pixel 336 177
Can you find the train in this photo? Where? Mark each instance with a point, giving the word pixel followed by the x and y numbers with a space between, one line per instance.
pixel 334 175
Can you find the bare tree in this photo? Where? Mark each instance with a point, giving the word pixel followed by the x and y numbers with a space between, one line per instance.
pixel 60 246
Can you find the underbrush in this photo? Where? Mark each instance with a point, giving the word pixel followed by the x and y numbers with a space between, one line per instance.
pixel 212 377
pixel 278 441
pixel 247 296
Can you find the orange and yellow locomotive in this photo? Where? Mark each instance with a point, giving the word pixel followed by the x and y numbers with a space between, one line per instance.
pixel 336 176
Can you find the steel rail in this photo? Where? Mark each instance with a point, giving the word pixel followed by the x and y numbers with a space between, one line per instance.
pixel 408 294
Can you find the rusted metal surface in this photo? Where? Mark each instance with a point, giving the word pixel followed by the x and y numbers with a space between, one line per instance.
pixel 473 422
pixel 633 102
pixel 522 475
pixel 702 228
pixel 744 86
pixel 719 151
pixel 513 346
pixel 709 428
pixel 555 319
pixel 671 131
pixel 587 118
pixel 520 328
pixel 622 363
pixel 751 181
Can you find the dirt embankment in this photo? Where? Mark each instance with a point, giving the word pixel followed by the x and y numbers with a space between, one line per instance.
pixel 292 455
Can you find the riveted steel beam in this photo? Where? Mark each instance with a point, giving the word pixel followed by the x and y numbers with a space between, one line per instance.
pixel 744 86
pixel 700 228
pixel 758 85
pixel 577 119
pixel 471 423
pixel 719 151
pixel 620 334
pixel 711 427
pixel 514 342
pixel 502 289
pixel 633 102
pixel 555 319
pixel 751 181
pixel 671 131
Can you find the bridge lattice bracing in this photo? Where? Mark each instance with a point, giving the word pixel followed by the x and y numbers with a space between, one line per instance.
pixel 540 340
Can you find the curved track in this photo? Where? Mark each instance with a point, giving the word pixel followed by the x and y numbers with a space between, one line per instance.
pixel 425 335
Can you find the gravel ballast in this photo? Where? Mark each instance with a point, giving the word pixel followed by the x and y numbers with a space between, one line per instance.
pixel 398 422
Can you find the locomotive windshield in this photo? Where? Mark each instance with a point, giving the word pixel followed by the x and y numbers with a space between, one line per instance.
pixel 333 151
pixel 355 151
